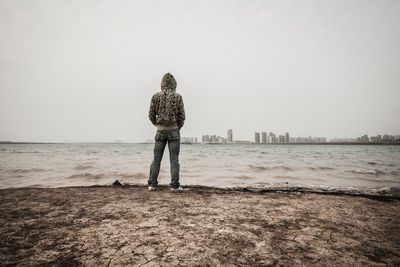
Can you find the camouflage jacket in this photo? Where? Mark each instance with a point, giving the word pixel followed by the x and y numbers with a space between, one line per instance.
pixel 166 107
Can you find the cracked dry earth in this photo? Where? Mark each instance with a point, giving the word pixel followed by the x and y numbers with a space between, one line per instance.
pixel 128 225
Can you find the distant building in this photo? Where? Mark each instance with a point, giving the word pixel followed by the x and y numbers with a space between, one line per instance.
pixel 287 139
pixel 257 137
pixel 221 140
pixel 210 139
pixel 189 140
pixel 319 139
pixel 304 139
pixel 307 139
pixel 387 137
pixel 365 138
pixel 343 140
pixel 377 138
pixel 205 138
pixel 264 137
pixel 230 136
pixel 281 139
pixel 271 138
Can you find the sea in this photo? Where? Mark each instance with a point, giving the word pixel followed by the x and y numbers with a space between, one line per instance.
pixel 371 169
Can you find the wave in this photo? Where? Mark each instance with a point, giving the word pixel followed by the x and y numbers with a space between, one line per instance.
pixel 91 152
pixel 82 167
pixel 19 171
pixel 87 176
pixel 325 168
pixel 373 172
pixel 132 175
pixel 268 168
pixel 322 168
pixel 243 177
pixel 17 151
pixel 395 173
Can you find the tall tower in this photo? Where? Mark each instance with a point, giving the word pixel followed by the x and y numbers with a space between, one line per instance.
pixel 287 138
pixel 257 137
pixel 230 136
pixel 271 137
pixel 264 137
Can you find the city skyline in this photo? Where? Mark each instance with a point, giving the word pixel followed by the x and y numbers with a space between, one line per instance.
pixel 265 137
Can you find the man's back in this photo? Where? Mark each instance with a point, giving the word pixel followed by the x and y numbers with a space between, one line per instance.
pixel 166 108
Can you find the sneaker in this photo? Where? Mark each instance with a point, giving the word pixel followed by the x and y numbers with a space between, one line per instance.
pixel 152 188
pixel 176 190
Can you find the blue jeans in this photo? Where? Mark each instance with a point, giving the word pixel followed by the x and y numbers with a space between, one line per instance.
pixel 173 138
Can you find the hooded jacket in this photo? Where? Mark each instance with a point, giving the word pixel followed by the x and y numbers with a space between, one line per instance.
pixel 166 107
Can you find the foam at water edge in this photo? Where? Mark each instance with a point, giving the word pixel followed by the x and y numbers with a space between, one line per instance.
pixel 381 192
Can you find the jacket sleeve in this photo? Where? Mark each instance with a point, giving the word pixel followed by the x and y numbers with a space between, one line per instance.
pixel 181 112
pixel 153 110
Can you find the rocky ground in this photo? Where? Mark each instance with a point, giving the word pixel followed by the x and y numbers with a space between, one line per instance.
pixel 127 225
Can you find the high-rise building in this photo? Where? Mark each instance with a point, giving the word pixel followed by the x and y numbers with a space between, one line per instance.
pixel 221 140
pixel 271 137
pixel 205 138
pixel 281 139
pixel 230 136
pixel 264 137
pixel 287 139
pixel 257 137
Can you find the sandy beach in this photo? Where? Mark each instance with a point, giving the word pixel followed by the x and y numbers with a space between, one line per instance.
pixel 127 225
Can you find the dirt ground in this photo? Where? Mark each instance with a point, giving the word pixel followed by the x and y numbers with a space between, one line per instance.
pixel 127 225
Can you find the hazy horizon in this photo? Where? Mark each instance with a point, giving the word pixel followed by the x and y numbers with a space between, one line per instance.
pixel 84 71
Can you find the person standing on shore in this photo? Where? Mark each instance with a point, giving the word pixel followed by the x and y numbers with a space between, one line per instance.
pixel 167 113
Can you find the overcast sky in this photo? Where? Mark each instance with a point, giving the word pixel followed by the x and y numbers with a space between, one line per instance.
pixel 76 71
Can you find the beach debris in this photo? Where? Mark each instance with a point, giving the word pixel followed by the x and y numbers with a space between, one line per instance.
pixel 117 183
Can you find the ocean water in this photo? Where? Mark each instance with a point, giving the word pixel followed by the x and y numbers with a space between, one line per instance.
pixel 316 166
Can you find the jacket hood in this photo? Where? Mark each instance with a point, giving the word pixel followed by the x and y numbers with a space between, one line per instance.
pixel 168 82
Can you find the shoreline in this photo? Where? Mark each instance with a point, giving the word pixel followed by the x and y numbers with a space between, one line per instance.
pixel 127 225
pixel 382 193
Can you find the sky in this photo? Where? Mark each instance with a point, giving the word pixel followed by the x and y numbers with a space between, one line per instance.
pixel 85 70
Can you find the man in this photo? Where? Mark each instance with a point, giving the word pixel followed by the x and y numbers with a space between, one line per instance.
pixel 167 113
